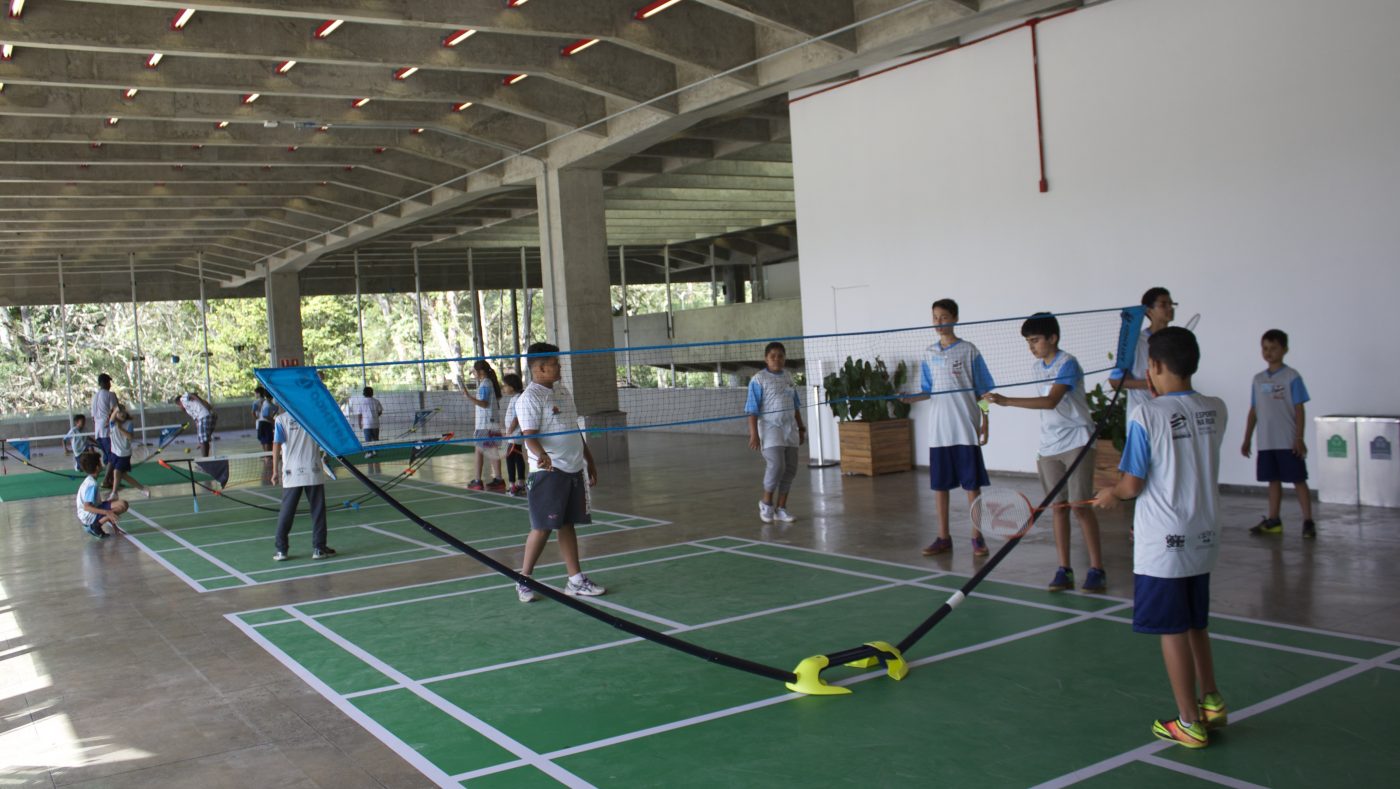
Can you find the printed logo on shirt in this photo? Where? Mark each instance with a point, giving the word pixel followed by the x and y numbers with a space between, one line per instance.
pixel 1206 538
pixel 1176 542
pixel 1180 427
pixel 1275 391
pixel 1205 423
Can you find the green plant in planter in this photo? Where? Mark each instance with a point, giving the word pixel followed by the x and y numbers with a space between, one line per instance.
pixel 857 379
pixel 1113 421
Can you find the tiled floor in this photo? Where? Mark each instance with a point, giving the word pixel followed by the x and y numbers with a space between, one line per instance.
pixel 114 672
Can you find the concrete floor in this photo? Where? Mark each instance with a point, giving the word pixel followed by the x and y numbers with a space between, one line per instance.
pixel 114 673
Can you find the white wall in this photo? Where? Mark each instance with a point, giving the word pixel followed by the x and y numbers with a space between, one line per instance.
pixel 1243 154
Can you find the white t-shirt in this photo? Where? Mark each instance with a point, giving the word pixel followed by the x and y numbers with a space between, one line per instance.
pixel 121 444
pixel 1068 425
pixel 301 456
pixel 193 406
pixel 87 493
pixel 1136 397
pixel 368 409
pixel 551 410
pixel 956 377
pixel 1174 446
pixel 508 414
pixel 1273 398
pixel 774 400
pixel 486 414
pixel 103 401
pixel 75 440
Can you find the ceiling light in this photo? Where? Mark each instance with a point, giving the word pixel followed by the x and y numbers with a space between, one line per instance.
pixel 285 66
pixel 197 146
pixel 652 9
pixel 2 87
pixel 513 78
pixel 349 168
pixel 95 145
pixel 419 130
pixel 251 97
pixel 380 149
pixel 181 19
pixel 113 121
pixel 358 103
pixel 327 27
pixel 515 3
pixel 178 167
pixel 16 9
pixel 323 129
pixel 154 60
pixel 292 148
pixel 406 72
pixel 131 93
pixel 221 125
pixel 578 46
pixel 459 107
pixel 7 51
pixel 458 37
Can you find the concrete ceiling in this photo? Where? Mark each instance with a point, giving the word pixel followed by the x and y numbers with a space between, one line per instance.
pixel 684 111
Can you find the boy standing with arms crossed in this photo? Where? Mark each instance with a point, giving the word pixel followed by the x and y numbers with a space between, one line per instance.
pixel 1065 427
pixel 1276 406
pixel 1171 464
pixel 558 459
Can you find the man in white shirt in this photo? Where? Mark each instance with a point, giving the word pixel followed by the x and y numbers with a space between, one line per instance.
pixel 296 464
pixel 103 401
pixel 368 409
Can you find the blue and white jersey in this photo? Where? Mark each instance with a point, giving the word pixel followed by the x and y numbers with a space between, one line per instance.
pixel 1174 447
pixel 87 494
pixel 956 377
pixel 1273 397
pixel 121 439
pixel 1067 426
pixel 774 400
pixel 508 416
pixel 264 410
pixel 301 456
pixel 1136 397
pixel 486 418
pixel 76 441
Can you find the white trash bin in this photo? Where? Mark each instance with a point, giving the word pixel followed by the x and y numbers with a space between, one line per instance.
pixel 1337 481
pixel 1378 460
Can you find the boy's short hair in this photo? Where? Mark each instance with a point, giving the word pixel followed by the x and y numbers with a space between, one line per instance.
pixel 1150 297
pixel 774 346
pixel 369 391
pixel 104 380
pixel 1275 335
pixel 89 463
pixel 539 351
pixel 946 304
pixel 513 381
pixel 119 506
pixel 1042 324
pixel 79 418
pixel 1176 348
pixel 261 392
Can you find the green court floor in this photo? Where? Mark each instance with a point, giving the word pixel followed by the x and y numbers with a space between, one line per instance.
pixel 1017 688
pixel 226 544
pixel 27 483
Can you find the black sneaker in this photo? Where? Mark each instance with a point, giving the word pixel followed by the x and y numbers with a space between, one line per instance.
pixel 1309 530
pixel 1267 526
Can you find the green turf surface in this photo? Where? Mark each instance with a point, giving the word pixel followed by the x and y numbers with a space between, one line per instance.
pixel 27 483
pixel 228 544
pixel 1016 688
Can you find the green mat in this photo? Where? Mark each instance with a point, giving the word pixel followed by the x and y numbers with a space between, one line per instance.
pixel 30 484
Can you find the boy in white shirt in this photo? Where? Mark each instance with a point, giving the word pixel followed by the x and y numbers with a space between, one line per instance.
pixel 103 401
pixel 368 409
pixel 776 430
pixel 1161 310
pixel 1171 464
pixel 1276 406
pixel 121 434
pixel 559 459
pixel 202 415
pixel 1065 427
pixel 296 464
pixel 93 512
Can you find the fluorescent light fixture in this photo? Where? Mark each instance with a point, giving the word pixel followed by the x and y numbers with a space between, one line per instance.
pixel 515 3
pixel 380 149
pixel 418 130
pixel 16 9
pixel 405 72
pixel 329 26
pixel 513 78
pixel 113 121
pixel 154 60
pixel 292 148
pixel 2 87
pixel 460 107
pixel 652 9
pixel 131 93
pixel 181 19
pixel 320 129
pixel 578 46
pixel 7 51
pixel 250 98
pixel 358 103
pixel 458 37
pixel 221 125
pixel 285 66
pixel 95 145
pixel 197 146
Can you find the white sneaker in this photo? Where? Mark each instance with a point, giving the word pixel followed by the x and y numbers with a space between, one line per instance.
pixel 765 512
pixel 524 593
pixel 280 556
pixel 584 588
pixel 781 515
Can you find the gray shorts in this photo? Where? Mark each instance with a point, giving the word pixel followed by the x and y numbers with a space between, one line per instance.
pixel 1080 486
pixel 782 468
pixel 556 499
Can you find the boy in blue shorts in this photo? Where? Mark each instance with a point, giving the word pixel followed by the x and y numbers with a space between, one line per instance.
pixel 1276 407
pixel 954 376
pixel 1065 427
pixel 776 430
pixel 93 512
pixel 1171 464
pixel 559 461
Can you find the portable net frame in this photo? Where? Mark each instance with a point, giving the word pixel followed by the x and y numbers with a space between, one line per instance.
pixel 1101 339
pixel 28 450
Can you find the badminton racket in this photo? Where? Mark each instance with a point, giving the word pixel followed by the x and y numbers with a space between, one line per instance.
pixel 1004 513
pixel 1191 324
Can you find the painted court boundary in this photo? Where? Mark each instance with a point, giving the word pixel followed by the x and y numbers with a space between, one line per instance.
pixel 924 578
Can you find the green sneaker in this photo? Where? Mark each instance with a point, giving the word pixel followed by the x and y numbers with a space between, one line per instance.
pixel 1173 730
pixel 1213 712
pixel 1267 526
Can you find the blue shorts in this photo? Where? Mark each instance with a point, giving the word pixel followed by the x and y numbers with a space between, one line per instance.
pixel 120 463
pixel 956 467
pixel 105 445
pixel 265 432
pixel 557 498
pixel 1170 605
pixel 1280 465
pixel 371 434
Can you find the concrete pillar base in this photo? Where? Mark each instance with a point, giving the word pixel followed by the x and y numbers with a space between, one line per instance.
pixel 609 444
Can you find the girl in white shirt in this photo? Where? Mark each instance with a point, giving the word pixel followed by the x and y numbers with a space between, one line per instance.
pixel 488 424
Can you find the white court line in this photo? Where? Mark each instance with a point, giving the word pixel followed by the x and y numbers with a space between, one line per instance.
pixel 193 548
pixel 1196 772
pixel 260 519
pixel 333 562
pixel 511 503
pixel 524 753
pixel 1390 666
pixel 1254 642
pixel 197 585
pixel 1321 683
pixel 440 548
pixel 329 529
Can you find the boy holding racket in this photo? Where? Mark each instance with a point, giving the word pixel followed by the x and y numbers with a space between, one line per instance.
pixel 1065 428
pixel 1276 408
pixel 954 376
pixel 1160 312
pixel 1171 464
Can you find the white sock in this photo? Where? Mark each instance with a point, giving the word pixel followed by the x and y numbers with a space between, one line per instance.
pixel 578 579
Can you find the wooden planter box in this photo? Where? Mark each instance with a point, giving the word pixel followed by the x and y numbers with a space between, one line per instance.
pixel 1106 460
pixel 872 448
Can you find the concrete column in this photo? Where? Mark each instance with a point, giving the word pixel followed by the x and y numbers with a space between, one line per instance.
pixel 284 318
pixel 578 300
